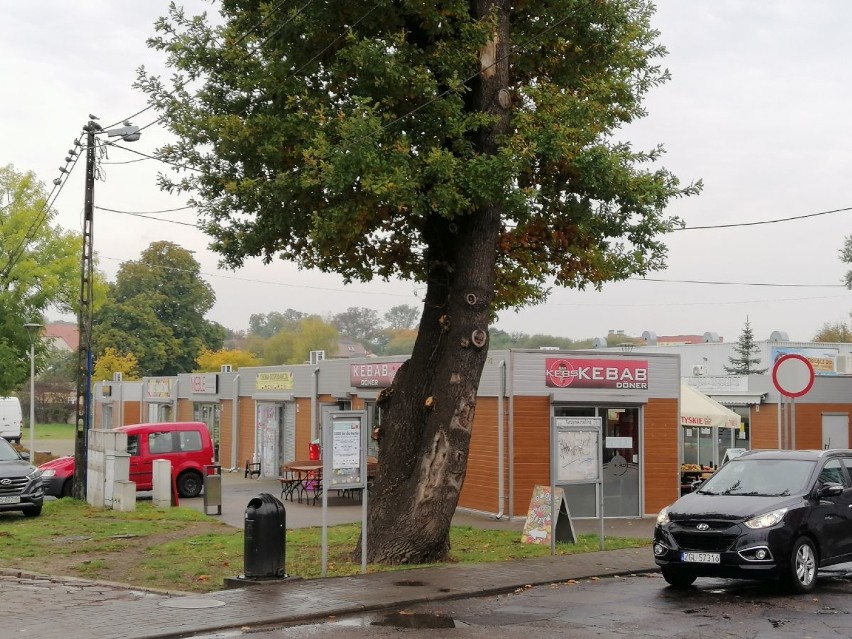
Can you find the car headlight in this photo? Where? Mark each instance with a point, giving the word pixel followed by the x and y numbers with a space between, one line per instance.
pixel 663 517
pixel 767 519
pixel 50 472
pixel 35 474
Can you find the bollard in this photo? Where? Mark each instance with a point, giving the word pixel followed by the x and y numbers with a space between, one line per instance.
pixel 264 539
pixel 213 489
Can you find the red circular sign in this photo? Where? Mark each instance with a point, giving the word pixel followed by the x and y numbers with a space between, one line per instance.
pixel 793 375
pixel 561 372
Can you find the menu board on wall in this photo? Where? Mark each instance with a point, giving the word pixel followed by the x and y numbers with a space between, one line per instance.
pixel 539 521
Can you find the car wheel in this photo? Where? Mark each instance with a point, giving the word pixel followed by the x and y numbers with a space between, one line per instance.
pixel 678 578
pixel 803 566
pixel 189 484
pixel 32 512
pixel 67 488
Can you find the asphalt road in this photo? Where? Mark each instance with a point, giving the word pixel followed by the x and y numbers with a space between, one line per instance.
pixel 635 606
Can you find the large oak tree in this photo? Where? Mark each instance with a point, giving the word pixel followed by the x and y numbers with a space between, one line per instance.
pixel 470 146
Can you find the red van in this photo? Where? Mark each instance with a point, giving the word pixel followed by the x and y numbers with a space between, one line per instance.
pixel 187 445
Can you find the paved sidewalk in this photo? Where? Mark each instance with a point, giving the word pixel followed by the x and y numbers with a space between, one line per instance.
pixel 161 616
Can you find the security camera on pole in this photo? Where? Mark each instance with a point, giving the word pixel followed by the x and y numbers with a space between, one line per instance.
pixel 127 133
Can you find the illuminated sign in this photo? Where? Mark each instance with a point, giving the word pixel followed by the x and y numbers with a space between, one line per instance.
pixel 373 375
pixel 572 372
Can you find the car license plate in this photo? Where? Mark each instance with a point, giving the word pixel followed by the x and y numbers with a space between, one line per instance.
pixel 14 499
pixel 701 557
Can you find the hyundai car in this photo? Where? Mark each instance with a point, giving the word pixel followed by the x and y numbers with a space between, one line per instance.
pixel 770 514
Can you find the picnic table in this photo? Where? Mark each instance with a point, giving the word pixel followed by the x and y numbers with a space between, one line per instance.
pixel 299 478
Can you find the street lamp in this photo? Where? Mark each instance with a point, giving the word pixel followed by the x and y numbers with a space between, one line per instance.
pixel 32 330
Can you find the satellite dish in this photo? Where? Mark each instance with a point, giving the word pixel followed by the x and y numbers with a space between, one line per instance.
pixel 599 342
pixel 650 338
pixel 779 336
pixel 711 337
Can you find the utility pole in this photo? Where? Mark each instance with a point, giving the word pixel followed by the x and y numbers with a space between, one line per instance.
pixel 84 322
pixel 84 318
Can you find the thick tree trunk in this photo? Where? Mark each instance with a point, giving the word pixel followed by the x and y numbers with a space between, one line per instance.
pixel 428 413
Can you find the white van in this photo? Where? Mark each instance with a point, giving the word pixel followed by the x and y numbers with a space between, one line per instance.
pixel 10 419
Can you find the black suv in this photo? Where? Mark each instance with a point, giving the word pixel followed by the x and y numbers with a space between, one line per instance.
pixel 771 514
pixel 20 482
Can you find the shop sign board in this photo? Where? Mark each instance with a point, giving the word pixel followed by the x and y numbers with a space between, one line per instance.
pixel 373 375
pixel 204 383
pixel 576 372
pixel 272 381
pixel 823 360
pixel 158 388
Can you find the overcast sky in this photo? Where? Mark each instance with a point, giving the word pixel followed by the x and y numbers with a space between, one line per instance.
pixel 757 107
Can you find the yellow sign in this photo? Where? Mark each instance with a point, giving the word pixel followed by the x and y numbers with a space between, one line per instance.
pixel 274 381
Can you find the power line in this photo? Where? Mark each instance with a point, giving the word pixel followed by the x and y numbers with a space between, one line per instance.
pixel 256 281
pixel 775 221
pixel 765 284
pixel 153 157
pixel 180 208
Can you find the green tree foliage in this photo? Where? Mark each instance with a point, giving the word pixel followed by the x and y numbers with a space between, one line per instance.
pixel 39 269
pixel 274 322
pixel 294 347
pixel 402 316
pixel 155 310
pixel 401 341
pixel 471 147
pixel 834 332
pixel 363 325
pixel 745 362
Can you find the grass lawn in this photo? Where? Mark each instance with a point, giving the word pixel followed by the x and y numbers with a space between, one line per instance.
pixel 181 549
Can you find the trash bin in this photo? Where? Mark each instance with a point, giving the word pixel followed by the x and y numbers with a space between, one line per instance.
pixel 264 538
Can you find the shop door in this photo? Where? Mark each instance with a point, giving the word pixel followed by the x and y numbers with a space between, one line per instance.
pixel 621 461
pixel 266 438
pixel 835 431
pixel 621 457
pixel 209 414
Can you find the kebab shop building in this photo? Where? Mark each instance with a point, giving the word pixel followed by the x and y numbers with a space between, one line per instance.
pixel 631 400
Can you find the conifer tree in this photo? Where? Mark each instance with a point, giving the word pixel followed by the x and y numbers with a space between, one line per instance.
pixel 746 362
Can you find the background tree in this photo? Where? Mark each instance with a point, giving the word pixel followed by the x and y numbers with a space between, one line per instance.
pixel 363 325
pixel 294 347
pixel 113 361
pixel 745 362
pixel 834 332
pixel 380 139
pixel 212 361
pixel 401 342
pixel 271 323
pixel 156 309
pixel 401 316
pixel 39 269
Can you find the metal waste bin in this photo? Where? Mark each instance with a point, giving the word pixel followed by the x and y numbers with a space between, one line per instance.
pixel 264 538
pixel 213 489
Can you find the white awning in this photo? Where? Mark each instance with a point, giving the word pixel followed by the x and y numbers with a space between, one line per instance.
pixel 699 411
pixel 739 399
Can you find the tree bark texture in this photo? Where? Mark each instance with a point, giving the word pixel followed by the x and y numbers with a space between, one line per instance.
pixel 427 414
